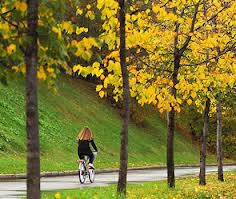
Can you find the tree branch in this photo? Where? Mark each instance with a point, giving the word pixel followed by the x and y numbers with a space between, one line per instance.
pixel 145 7
pixel 186 43
pixel 150 66
pixel 8 21
pixel 212 17
pixel 220 53
pixel 7 11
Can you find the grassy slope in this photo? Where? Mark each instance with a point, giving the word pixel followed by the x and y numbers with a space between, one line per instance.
pixel 61 118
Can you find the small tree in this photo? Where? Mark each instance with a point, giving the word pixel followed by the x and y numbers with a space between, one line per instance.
pixel 121 188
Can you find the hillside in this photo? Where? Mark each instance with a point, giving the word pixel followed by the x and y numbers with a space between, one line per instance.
pixel 62 116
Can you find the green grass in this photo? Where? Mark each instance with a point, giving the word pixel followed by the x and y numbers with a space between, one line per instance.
pixel 62 116
pixel 186 187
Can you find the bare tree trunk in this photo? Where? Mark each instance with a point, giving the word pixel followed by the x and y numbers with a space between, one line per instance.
pixel 202 175
pixel 171 130
pixel 31 60
pixel 170 149
pixel 121 188
pixel 219 140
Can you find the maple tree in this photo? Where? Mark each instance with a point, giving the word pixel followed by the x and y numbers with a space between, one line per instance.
pixel 165 47
pixel 30 47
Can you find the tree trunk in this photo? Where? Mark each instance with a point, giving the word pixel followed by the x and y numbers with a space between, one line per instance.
pixel 121 188
pixel 202 175
pixel 170 149
pixel 219 140
pixel 31 59
pixel 171 130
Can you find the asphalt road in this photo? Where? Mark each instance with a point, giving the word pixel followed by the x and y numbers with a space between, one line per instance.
pixel 17 188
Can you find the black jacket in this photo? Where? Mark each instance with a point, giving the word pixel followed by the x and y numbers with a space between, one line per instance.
pixel 84 147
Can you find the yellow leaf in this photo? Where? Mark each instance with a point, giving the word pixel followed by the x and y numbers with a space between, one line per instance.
pixel 88 6
pixel 77 68
pixel 90 14
pixel 20 6
pixel 99 87
pixel 96 65
pixel 79 12
pixel 57 30
pixel 179 101
pixel 50 70
pixel 102 77
pixel 193 94
pixel 106 82
pixel 41 74
pixel 178 109
pixel 156 9
pixel 11 49
pixel 171 84
pixel 189 101
pixel 101 94
pixel 80 30
pixel 15 68
pixel 116 98
pixel 67 26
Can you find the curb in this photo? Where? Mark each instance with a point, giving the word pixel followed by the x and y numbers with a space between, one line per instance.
pixel 70 173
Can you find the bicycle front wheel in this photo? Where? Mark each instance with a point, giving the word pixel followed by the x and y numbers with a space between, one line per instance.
pixel 91 175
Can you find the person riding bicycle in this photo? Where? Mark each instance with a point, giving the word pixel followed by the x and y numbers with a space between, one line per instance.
pixel 85 138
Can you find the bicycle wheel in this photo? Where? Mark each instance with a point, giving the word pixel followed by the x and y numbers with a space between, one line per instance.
pixel 82 173
pixel 91 175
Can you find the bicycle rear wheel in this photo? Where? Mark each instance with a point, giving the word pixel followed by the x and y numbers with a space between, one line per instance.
pixel 91 175
pixel 82 173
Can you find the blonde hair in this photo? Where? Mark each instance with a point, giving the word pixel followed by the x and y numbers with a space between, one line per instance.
pixel 85 134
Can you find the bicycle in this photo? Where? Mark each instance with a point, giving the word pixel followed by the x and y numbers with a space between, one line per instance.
pixel 85 171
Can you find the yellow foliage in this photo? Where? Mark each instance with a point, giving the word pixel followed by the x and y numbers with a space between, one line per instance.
pixel 90 14
pixel 189 101
pixel 41 74
pixel 76 68
pixel 193 94
pixel 21 6
pixel 102 77
pixel 11 49
pixel 99 87
pixel 79 11
pixel 81 30
pixel 57 30
pixel 88 6
pixel 50 70
pixel 101 94
pixel 67 26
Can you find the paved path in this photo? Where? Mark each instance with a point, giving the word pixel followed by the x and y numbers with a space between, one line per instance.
pixel 16 188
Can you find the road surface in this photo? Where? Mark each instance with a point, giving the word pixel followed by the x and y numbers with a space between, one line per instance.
pixel 17 188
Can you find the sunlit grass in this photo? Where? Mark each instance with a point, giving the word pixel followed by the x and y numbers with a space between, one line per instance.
pixel 186 187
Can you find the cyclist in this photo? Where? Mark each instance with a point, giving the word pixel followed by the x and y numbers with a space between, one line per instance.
pixel 85 138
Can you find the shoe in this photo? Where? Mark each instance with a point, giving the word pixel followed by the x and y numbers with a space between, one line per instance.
pixel 91 166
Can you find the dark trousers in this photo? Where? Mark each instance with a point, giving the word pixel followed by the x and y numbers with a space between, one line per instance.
pixel 91 157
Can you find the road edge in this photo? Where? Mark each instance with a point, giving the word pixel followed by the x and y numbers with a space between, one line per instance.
pixel 74 172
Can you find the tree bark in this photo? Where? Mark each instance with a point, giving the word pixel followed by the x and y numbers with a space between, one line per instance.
pixel 219 140
pixel 170 149
pixel 31 60
pixel 171 129
pixel 202 175
pixel 121 188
